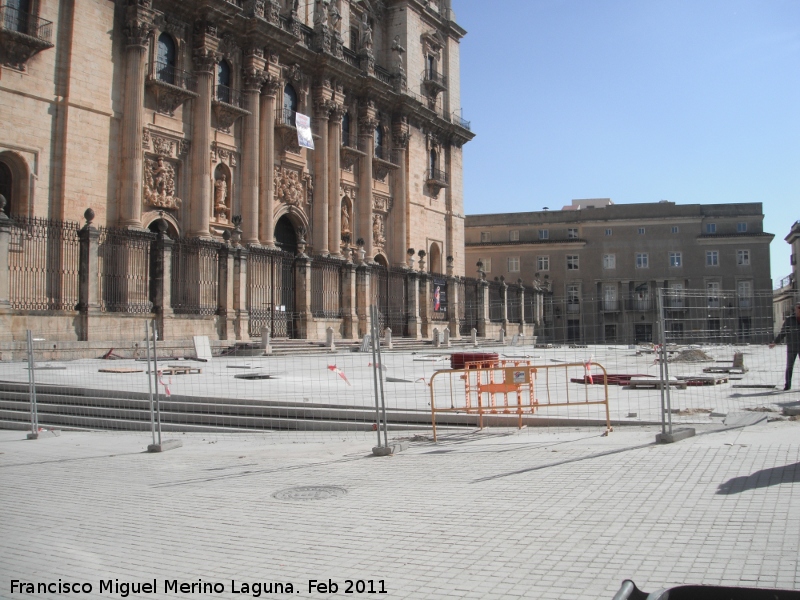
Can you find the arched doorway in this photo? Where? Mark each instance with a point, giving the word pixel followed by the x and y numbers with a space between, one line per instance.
pixel 6 186
pixel 285 235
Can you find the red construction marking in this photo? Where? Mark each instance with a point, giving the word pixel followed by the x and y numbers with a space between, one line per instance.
pixel 340 373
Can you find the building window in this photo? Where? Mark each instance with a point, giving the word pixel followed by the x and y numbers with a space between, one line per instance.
pixel 513 235
pixel 572 233
pixel 513 264
pixel 573 298
pixel 486 236
pixel 642 261
pixel 346 130
pixel 165 61
pixel 743 257
pixel 711 228
pixel 224 82
pixel 712 258
pixel 609 261
pixel 675 259
pixel 744 289
pixel 544 234
pixel 487 264
pixel 542 263
pixel 572 262
pixel 712 291
pixel 289 105
pixel 608 232
pixel 641 230
pixel 675 229
pixel 378 145
pixel 741 228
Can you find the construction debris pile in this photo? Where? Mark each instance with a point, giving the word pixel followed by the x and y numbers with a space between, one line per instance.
pixel 691 355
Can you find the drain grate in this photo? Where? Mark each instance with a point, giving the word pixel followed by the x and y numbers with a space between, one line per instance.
pixel 310 492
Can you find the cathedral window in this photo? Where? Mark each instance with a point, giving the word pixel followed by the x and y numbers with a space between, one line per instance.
pixel 289 104
pixel 165 60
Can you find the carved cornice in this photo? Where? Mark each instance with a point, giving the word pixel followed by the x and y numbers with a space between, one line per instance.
pixel 168 97
pixel 159 143
pixel 349 157
pixel 228 47
pixel 223 153
pixel 227 114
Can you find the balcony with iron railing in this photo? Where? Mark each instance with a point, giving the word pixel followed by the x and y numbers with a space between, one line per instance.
pixel 170 86
pixel 433 81
pixel 228 105
pixel 170 75
pixel 22 35
pixel 288 117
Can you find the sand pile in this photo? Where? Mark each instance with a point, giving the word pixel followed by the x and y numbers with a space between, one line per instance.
pixel 692 355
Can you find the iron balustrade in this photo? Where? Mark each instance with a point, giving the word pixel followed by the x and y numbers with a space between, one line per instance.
pixel 161 71
pixel 468 305
pixel 350 57
pixel 461 121
pixel 288 117
pixel 398 301
pixel 44 264
pixel 13 19
pixel 431 76
pixel 383 75
pixel 195 277
pixel 438 176
pixel 514 305
pixel 124 270
pixel 326 287
pixel 229 95
pixel 270 292
pixel 496 302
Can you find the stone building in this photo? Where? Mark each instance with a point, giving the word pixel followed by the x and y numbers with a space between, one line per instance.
pixel 604 264
pixel 185 119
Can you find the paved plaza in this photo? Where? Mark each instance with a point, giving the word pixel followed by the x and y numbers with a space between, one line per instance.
pixel 563 513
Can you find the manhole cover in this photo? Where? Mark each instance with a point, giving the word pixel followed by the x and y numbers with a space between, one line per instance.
pixel 310 492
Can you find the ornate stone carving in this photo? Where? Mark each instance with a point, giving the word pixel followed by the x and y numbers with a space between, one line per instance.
pixel 288 137
pixel 381 204
pixel 272 12
pixel 221 206
pixel 176 27
pixel 228 46
pixel 162 146
pixel 349 156
pixel 292 187
pixel 223 154
pixel 271 84
pixel 183 147
pixel 159 184
pixel 204 60
pixel 345 219
pixel 378 230
pixel 137 32
pixel 253 79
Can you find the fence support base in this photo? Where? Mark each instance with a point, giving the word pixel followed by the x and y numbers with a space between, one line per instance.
pixel 676 435
pixel 390 449
pixel 164 446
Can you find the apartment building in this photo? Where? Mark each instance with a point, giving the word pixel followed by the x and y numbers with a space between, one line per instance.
pixel 605 263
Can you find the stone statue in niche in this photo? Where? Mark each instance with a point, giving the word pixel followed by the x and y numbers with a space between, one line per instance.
pixel 378 237
pixel 221 198
pixel 321 12
pixel 366 32
pixel 159 184
pixel 399 50
pixel 334 16
pixel 345 220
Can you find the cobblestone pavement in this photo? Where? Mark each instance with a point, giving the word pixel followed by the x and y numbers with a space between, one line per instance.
pixel 479 515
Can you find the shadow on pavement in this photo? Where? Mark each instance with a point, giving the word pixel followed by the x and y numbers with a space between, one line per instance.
pixel 761 479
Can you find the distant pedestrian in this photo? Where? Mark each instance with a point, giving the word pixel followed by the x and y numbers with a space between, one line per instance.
pixel 790 331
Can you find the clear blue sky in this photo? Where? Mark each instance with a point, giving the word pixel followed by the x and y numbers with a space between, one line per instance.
pixel 693 101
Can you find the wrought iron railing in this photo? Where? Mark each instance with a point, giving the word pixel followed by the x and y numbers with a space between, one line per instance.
pixel 468 305
pixel 434 77
pixel 383 75
pixel 438 176
pixel 496 302
pixel 350 57
pixel 44 262
pixel 229 95
pixel 270 292
pixel 124 270
pixel 13 19
pixel 169 74
pixel 288 117
pixel 326 286
pixel 461 121
pixel 195 277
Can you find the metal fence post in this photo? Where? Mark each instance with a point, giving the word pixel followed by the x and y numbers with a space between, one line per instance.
pixel 34 434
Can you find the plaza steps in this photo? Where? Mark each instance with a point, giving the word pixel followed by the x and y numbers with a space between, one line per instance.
pixel 77 408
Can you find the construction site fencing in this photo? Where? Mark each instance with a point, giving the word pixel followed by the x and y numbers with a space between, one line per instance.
pixel 710 370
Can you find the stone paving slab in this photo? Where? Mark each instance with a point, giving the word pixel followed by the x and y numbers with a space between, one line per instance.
pixel 495 514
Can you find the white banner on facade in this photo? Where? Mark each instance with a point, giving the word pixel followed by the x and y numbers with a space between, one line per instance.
pixel 304 138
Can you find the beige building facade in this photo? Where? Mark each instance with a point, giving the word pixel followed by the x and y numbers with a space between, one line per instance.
pixel 187 117
pixel 604 264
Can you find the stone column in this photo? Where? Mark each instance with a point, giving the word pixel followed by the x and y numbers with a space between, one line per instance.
pixel 253 80
pixel 162 280
pixel 200 201
pixel 522 310
pixel 367 123
pixel 266 165
pixel 5 241
pixel 425 307
pixel 504 301
pixel 320 240
pixel 334 176
pixel 349 303
pixel 400 137
pixel 241 315
pixel 225 292
pixel 302 282
pixel 452 305
pixel 414 325
pixel 88 275
pixel 363 299
pixel 483 307
pixel 138 29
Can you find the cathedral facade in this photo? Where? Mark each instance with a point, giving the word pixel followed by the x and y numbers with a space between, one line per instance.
pixel 326 128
